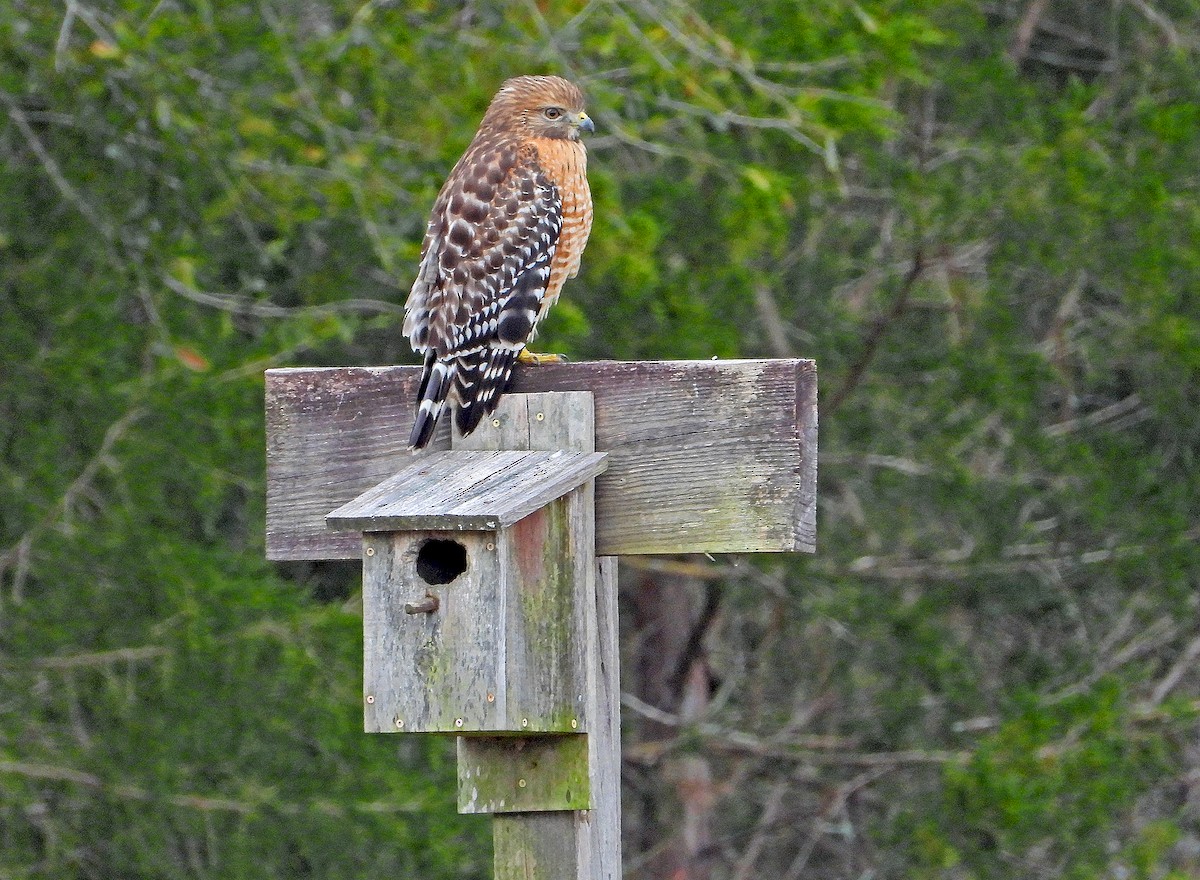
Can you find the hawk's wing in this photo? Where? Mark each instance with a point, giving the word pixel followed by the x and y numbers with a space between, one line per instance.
pixel 485 264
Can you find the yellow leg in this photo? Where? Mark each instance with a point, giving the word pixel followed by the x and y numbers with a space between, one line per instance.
pixel 528 357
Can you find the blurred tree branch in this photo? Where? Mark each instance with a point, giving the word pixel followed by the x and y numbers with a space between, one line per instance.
pixel 239 304
pixel 18 553
pixel 875 335
pixel 201 802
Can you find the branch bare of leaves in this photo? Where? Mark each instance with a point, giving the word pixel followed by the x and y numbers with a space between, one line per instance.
pixel 239 304
pixel 1160 21
pixel 875 335
pixel 81 485
pixel 813 749
pixel 202 802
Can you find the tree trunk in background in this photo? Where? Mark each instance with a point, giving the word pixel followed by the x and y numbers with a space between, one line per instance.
pixel 669 825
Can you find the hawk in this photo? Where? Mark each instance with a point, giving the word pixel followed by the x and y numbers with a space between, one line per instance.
pixel 508 228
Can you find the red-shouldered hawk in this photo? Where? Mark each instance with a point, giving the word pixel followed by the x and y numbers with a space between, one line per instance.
pixel 508 228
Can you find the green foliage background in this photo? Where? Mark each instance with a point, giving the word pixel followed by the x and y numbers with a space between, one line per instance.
pixel 989 243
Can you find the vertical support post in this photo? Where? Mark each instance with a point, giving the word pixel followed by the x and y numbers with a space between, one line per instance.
pixel 604 737
pixel 566 844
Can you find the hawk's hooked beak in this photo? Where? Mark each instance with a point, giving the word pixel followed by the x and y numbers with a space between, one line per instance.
pixel 585 123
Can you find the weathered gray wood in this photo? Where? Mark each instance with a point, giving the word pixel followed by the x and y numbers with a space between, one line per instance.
pixel 516 424
pixel 439 672
pixel 704 456
pixel 546 421
pixel 560 536
pixel 548 558
pixel 538 846
pixel 467 490
pixel 604 730
pixel 523 774
pixel 582 844
pixel 503 652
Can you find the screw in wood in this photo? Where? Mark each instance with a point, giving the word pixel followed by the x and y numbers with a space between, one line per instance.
pixel 370 551
pixel 491 698
pixel 574 723
pixel 458 722
pixel 490 545
pixel 524 722
pixel 428 605
pixel 521 783
pixel 495 423
pixel 370 699
pixel 399 722
pixel 541 417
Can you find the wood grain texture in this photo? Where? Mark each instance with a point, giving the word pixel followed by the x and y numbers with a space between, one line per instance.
pixel 504 651
pixel 546 420
pixel 581 844
pixel 467 490
pixel 522 774
pixel 704 456
pixel 432 673
pixel 603 832
pixel 538 846
pixel 548 565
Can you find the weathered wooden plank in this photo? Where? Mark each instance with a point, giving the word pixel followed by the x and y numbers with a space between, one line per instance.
pixel 564 531
pixel 467 490
pixel 538 846
pixel 546 421
pixel 583 844
pixel 604 731
pixel 440 672
pixel 503 651
pixel 548 561
pixel 704 456
pixel 522 774
pixel 599 834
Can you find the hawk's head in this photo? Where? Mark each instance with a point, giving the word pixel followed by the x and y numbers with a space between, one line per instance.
pixel 539 106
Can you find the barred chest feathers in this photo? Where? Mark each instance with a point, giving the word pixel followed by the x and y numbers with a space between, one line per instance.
pixel 565 163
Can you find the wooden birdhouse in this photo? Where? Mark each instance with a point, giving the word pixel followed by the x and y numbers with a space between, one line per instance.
pixel 489 570
pixel 478 584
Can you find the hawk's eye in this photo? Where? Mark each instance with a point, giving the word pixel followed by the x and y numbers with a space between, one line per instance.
pixel 552 112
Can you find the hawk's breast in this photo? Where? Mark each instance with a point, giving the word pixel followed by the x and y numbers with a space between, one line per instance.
pixel 565 163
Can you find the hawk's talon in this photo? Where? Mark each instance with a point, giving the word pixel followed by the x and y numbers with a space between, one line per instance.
pixel 529 357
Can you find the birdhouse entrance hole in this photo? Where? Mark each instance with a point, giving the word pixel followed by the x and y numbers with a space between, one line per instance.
pixel 440 561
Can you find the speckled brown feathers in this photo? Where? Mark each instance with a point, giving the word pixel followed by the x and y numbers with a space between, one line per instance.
pixel 508 228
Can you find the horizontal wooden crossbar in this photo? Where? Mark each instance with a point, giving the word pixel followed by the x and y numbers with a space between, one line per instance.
pixel 704 456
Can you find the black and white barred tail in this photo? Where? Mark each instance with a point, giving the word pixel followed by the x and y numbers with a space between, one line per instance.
pixel 475 380
pixel 431 398
pixel 477 372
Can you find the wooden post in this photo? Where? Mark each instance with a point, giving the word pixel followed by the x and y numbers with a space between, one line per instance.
pixel 518 653
pixel 582 844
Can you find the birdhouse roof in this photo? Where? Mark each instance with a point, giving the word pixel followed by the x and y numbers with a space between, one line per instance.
pixel 467 491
